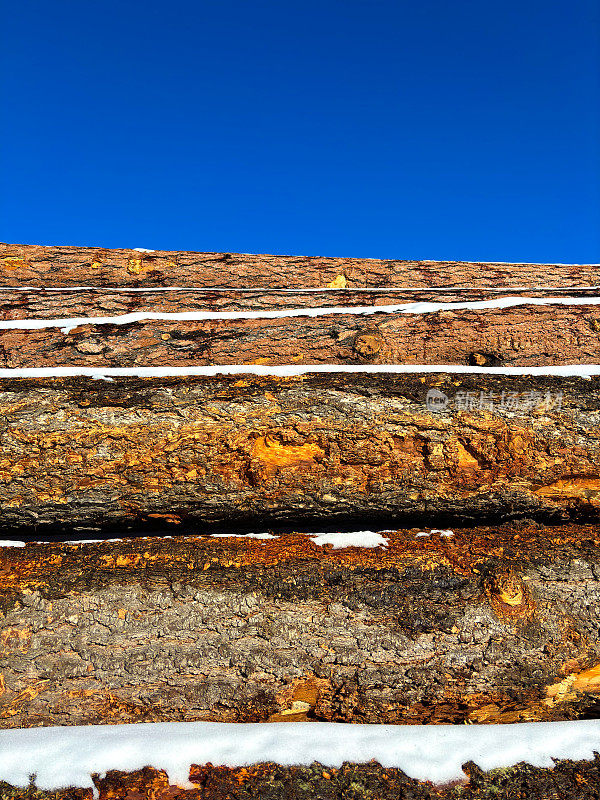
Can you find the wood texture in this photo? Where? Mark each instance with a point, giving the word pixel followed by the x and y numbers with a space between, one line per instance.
pixel 48 304
pixel 521 336
pixel 566 780
pixel 91 266
pixel 84 454
pixel 492 624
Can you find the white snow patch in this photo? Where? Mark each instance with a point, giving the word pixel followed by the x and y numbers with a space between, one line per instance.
pixel 291 371
pixel 10 543
pixel 100 376
pixel 244 536
pixel 351 539
pixel 442 532
pixel 67 323
pixel 67 756
pixel 143 250
pixel 423 533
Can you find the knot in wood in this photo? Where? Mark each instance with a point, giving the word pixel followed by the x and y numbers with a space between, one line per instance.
pixel 485 360
pixel 509 596
pixel 368 344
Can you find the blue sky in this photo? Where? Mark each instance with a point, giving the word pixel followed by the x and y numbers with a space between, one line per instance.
pixel 368 128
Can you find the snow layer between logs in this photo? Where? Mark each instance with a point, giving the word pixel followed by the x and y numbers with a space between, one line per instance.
pixel 68 756
pixel 291 371
pixel 68 323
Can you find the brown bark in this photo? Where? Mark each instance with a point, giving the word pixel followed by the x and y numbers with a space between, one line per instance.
pixel 519 336
pixel 86 454
pixel 22 265
pixel 48 304
pixel 566 780
pixel 489 625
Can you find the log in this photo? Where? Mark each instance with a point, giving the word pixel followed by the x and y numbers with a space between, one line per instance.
pixel 84 454
pixel 482 625
pixel 521 336
pixel 567 780
pixel 22 265
pixel 16 304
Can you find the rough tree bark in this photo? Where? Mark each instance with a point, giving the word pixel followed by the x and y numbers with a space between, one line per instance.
pixel 80 453
pixel 567 779
pixel 51 304
pixel 520 336
pixel 491 624
pixel 92 266
pixel 488 625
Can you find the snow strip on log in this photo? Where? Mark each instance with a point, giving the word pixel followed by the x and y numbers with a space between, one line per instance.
pixel 351 539
pixel 68 323
pixel 68 756
pixel 292 371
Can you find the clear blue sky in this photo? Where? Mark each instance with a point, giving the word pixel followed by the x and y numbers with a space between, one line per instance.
pixel 382 128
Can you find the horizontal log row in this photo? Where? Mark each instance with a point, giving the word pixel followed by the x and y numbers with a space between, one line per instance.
pixel 521 336
pixel 18 304
pixel 88 266
pixel 486 625
pixel 567 780
pixel 83 454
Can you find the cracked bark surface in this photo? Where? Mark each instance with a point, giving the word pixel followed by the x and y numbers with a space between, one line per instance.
pixel 494 624
pixel 23 304
pixel 84 266
pixel 522 336
pixel 567 779
pixel 49 304
pixel 83 454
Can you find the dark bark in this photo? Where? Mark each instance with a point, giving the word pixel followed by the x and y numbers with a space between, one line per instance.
pixel 519 336
pixel 488 625
pixel 567 780
pixel 86 454
pixel 22 265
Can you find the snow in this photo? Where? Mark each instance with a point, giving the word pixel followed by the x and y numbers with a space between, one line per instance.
pixel 244 536
pixel 352 539
pixel 68 323
pixel 423 533
pixel 10 543
pixel 99 376
pixel 442 532
pixel 291 371
pixel 67 756
pixel 143 250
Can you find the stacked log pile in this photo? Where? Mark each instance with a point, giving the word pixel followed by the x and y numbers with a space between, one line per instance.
pixel 453 407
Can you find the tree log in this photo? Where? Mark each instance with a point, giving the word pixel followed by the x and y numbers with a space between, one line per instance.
pixel 566 780
pixel 51 304
pixel 486 625
pixel 79 453
pixel 517 336
pixel 22 265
